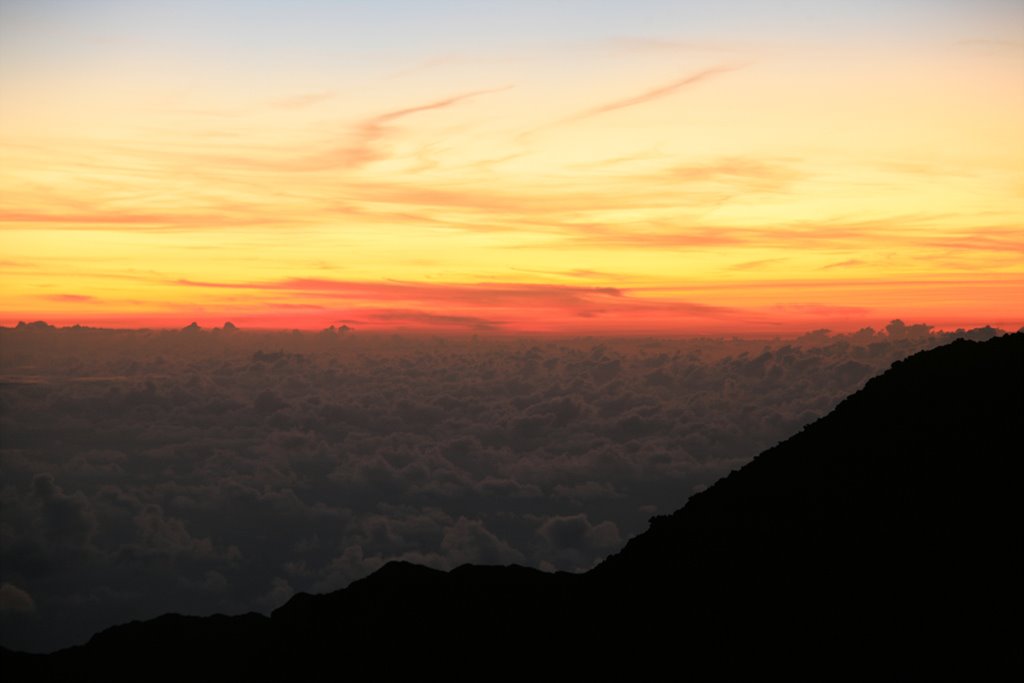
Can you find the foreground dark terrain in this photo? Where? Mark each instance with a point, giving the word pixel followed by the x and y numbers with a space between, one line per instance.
pixel 881 542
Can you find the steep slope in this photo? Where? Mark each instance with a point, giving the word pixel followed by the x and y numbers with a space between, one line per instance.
pixel 884 539
pixel 882 542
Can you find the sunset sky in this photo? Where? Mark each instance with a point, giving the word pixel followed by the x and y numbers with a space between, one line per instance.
pixel 529 166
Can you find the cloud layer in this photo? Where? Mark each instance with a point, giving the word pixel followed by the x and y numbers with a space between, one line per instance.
pixel 204 471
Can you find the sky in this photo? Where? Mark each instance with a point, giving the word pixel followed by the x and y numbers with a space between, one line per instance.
pixel 494 167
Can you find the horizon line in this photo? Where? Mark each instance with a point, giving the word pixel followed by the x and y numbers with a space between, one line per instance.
pixel 229 327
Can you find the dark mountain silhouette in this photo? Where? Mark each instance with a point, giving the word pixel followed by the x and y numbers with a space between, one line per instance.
pixel 882 542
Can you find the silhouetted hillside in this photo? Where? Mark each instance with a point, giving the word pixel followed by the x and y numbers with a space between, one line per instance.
pixel 881 542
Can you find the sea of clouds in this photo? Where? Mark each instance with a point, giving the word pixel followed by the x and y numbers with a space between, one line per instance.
pixel 204 471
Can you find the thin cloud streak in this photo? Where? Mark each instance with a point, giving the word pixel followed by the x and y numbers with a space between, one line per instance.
pixel 996 280
pixel 482 306
pixel 492 293
pixel 362 150
pixel 432 319
pixel 578 273
pixel 133 221
pixel 654 93
pixel 753 265
pixel 635 100
pixel 371 131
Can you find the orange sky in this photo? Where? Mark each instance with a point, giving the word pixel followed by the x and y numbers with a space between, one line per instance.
pixel 640 167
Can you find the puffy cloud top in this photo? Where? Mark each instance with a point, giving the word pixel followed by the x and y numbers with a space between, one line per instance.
pixel 197 471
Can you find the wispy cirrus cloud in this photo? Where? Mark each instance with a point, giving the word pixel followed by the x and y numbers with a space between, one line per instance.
pixel 133 221
pixel 740 173
pixel 361 142
pixel 481 306
pixel 365 137
pixel 638 99
pixel 424 318
pixel 580 273
pixel 654 93
pixel 843 264
pixel 478 293
pixel 680 237
pixel 998 239
pixel 902 231
pixel 759 263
